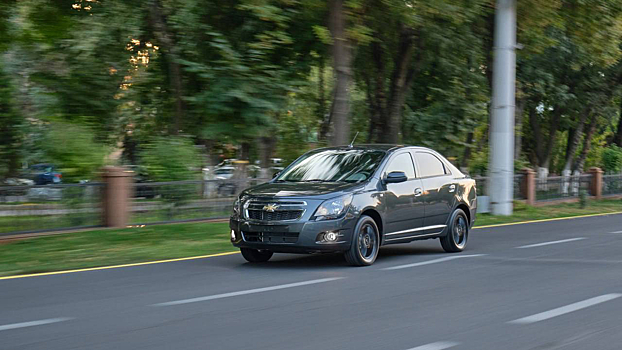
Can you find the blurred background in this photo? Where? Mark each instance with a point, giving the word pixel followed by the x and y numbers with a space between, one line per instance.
pixel 202 98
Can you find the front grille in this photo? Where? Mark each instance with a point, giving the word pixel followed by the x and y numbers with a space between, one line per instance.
pixel 270 237
pixel 274 215
pixel 269 210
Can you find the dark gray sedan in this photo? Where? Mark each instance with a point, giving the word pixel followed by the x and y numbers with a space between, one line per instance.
pixel 355 199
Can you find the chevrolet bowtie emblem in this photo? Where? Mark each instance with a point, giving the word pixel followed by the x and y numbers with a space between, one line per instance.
pixel 270 207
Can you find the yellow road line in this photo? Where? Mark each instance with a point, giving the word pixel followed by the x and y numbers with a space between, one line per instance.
pixel 116 266
pixel 545 220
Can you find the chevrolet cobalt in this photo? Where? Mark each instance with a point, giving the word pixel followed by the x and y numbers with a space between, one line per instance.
pixel 353 200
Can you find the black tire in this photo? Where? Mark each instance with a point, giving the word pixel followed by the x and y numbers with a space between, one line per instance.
pixel 457 232
pixel 254 255
pixel 365 243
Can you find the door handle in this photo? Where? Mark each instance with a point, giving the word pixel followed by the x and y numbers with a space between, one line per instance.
pixel 418 192
pixel 452 188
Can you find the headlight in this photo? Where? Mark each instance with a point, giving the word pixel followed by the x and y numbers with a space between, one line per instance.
pixel 333 208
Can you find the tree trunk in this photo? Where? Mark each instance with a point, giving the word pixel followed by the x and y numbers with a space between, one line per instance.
pixel 342 62
pixel 467 151
pixel 321 91
pixel 573 142
pixel 167 41
pixel 587 143
pixel 536 132
pixel 617 139
pixel 376 97
pixel 401 79
pixel 266 149
pixel 325 126
pixel 518 126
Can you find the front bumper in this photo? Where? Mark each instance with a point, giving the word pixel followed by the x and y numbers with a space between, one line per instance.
pixel 269 235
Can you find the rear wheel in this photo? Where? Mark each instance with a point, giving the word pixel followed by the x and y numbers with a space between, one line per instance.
pixel 457 233
pixel 365 243
pixel 255 255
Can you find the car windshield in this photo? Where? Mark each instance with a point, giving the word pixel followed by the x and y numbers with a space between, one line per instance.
pixel 342 165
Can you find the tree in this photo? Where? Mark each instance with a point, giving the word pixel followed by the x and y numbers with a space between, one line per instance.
pixel 10 127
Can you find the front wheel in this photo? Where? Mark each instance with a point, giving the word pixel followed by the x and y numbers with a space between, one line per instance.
pixel 365 243
pixel 457 233
pixel 255 255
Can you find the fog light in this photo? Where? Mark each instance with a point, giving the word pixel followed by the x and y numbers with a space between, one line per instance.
pixel 232 235
pixel 331 236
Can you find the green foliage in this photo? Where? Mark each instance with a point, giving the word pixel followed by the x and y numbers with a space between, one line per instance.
pixel 74 150
pixel 171 159
pixel 612 159
pixel 479 164
pixel 246 69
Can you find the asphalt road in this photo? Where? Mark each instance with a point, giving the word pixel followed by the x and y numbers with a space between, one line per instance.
pixel 552 285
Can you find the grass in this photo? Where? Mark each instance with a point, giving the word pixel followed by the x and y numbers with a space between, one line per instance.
pixel 524 212
pixel 108 247
pixel 131 245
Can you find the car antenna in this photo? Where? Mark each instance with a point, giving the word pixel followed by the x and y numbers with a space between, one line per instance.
pixel 352 143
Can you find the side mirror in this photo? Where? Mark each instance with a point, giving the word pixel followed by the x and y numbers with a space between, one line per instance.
pixel 395 177
pixel 276 174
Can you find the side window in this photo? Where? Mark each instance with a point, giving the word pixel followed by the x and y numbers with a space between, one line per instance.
pixel 403 162
pixel 429 165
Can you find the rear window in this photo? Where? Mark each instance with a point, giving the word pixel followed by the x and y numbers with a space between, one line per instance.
pixel 429 165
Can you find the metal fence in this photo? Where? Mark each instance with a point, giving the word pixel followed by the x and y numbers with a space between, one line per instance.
pixel 49 207
pixel 185 200
pixel 561 187
pixel 68 206
pixel 482 186
pixel 612 185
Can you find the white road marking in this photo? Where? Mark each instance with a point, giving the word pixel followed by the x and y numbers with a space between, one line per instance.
pixel 616 232
pixel 250 291
pixel 566 309
pixel 431 261
pixel 441 345
pixel 7 327
pixel 549 243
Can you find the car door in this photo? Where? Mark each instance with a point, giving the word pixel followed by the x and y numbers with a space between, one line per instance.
pixel 438 190
pixel 405 209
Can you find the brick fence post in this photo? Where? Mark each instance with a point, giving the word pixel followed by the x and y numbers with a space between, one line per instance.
pixel 117 193
pixel 528 186
pixel 596 182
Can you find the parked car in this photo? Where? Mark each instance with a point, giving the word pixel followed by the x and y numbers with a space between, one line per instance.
pixel 141 179
pixel 354 200
pixel 15 186
pixel 44 174
pixel 224 172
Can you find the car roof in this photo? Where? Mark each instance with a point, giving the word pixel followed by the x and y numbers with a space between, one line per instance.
pixel 379 147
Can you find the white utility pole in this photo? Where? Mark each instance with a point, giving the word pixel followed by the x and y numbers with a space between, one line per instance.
pixel 501 165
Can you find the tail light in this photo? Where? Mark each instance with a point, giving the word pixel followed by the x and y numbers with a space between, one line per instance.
pixel 58 175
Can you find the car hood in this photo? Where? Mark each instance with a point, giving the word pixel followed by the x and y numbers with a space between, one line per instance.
pixel 319 190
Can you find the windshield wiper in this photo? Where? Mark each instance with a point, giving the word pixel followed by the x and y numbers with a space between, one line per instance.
pixel 320 180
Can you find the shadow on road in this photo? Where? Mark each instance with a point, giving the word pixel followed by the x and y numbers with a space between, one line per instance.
pixel 324 261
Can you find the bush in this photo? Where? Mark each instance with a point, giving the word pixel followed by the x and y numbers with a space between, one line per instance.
pixel 73 149
pixel 612 159
pixel 172 158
